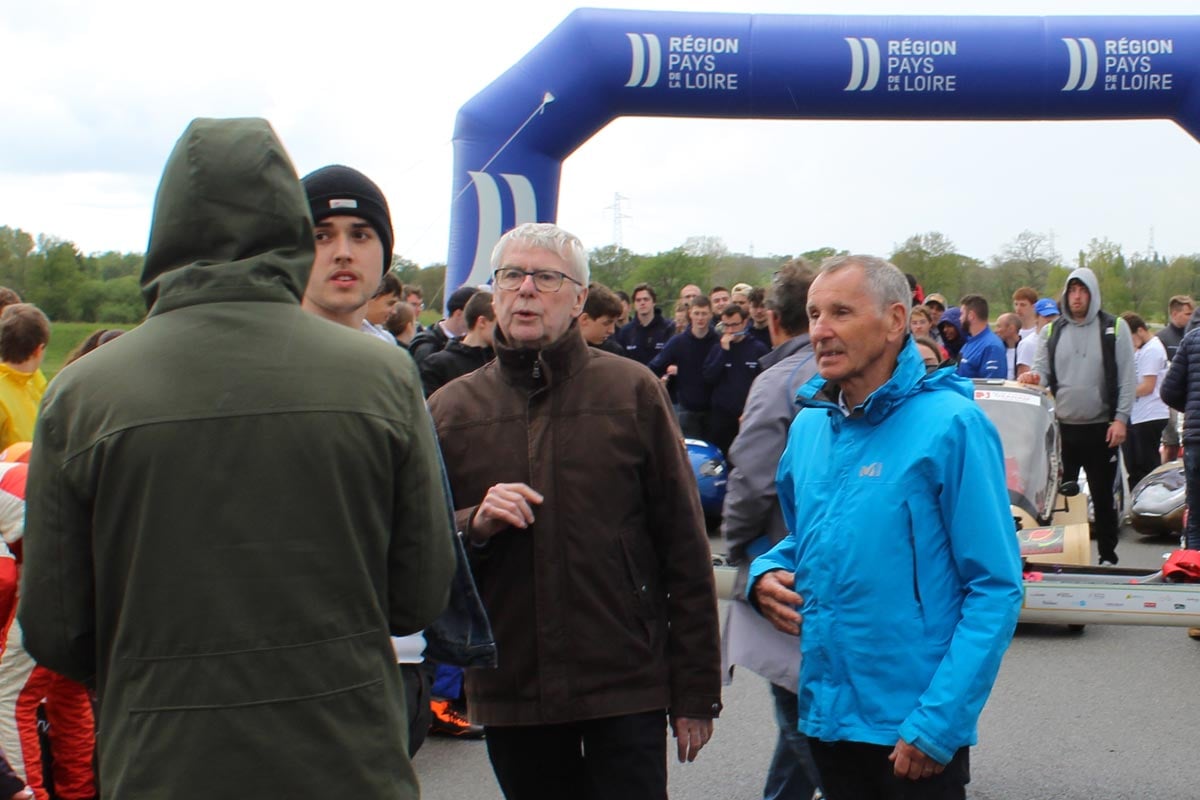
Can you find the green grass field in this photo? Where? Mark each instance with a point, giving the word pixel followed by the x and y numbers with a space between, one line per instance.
pixel 65 337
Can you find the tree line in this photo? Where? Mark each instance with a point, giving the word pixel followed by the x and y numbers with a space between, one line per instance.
pixel 1137 283
pixel 104 287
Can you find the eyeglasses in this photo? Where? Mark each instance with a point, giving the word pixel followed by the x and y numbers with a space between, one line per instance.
pixel 544 280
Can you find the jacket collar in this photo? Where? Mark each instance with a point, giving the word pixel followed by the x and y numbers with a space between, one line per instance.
pixel 16 376
pixel 784 350
pixel 907 379
pixel 537 369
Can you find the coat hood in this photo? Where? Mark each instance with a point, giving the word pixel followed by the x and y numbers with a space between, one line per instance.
pixel 1088 278
pixel 952 317
pixel 231 221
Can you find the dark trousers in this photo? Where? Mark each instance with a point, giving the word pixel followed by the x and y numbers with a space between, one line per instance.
pixel 792 774
pixel 1141 449
pixel 857 771
pixel 722 429
pixel 1085 446
pixel 621 757
pixel 693 424
pixel 416 699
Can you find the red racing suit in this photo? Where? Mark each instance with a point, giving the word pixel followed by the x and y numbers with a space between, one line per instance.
pixel 24 685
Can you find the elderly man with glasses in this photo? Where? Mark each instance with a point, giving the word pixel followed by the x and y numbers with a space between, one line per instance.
pixel 587 542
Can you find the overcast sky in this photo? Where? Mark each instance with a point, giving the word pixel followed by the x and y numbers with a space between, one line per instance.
pixel 97 93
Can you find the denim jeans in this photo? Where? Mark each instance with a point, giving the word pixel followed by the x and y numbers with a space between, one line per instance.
pixel 1191 471
pixel 462 634
pixel 792 775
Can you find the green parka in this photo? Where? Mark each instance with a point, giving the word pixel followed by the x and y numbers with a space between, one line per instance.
pixel 232 506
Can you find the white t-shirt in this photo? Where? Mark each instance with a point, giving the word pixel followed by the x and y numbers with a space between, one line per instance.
pixel 1150 359
pixel 1027 332
pixel 1027 350
pixel 409 649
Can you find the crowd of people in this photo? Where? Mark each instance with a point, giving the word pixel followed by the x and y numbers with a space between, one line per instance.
pixel 263 552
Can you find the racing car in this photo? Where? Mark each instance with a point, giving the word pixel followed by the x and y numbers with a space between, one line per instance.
pixel 1052 525
pixel 1159 501
pixel 710 470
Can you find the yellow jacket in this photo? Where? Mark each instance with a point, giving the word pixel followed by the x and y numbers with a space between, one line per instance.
pixel 20 395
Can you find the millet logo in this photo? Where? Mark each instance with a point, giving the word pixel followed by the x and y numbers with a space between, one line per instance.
pixel 646 65
pixel 871 470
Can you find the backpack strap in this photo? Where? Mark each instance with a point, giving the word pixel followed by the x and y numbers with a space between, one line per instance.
pixel 1108 353
pixel 1051 345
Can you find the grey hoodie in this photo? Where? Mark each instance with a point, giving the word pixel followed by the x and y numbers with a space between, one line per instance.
pixel 1079 362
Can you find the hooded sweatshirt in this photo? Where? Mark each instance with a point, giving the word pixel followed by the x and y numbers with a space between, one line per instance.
pixel 231 507
pixel 1079 362
pixel 952 318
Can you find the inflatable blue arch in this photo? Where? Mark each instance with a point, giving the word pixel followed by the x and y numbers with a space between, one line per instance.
pixel 510 139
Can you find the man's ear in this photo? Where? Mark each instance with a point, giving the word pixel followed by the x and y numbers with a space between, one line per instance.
pixel 579 301
pixel 897 322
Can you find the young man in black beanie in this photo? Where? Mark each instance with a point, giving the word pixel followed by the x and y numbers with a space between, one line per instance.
pixel 353 231
pixel 353 235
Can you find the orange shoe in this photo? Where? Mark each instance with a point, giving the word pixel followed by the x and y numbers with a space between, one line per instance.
pixel 449 721
pixel 1194 633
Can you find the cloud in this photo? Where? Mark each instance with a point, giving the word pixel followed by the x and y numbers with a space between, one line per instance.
pixel 100 92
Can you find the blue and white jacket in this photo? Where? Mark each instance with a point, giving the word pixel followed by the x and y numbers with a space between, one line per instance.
pixel 904 550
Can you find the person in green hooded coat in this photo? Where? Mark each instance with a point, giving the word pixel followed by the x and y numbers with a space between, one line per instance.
pixel 232 506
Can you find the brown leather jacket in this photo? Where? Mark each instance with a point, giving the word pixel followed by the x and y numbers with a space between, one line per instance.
pixel 581 600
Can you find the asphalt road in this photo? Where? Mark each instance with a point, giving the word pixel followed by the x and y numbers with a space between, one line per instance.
pixel 1109 713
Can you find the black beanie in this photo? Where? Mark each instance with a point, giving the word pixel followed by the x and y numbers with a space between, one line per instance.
pixel 341 191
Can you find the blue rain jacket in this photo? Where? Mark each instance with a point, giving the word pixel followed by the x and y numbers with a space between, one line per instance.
pixel 904 550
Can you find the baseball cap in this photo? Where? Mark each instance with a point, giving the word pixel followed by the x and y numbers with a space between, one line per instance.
pixel 1046 307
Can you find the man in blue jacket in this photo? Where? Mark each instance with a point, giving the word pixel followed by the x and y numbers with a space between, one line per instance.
pixel 984 354
pixel 901 560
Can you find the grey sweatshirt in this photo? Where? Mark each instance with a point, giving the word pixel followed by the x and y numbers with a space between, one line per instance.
pixel 1079 362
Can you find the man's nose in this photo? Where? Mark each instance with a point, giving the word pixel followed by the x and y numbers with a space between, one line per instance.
pixel 341 248
pixel 527 287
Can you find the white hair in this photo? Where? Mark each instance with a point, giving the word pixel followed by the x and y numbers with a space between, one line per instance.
pixel 884 279
pixel 547 236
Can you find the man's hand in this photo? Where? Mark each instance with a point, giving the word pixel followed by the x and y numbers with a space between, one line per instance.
pixel 727 337
pixel 505 505
pixel 1116 433
pixel 909 762
pixel 777 602
pixel 1030 377
pixel 690 735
